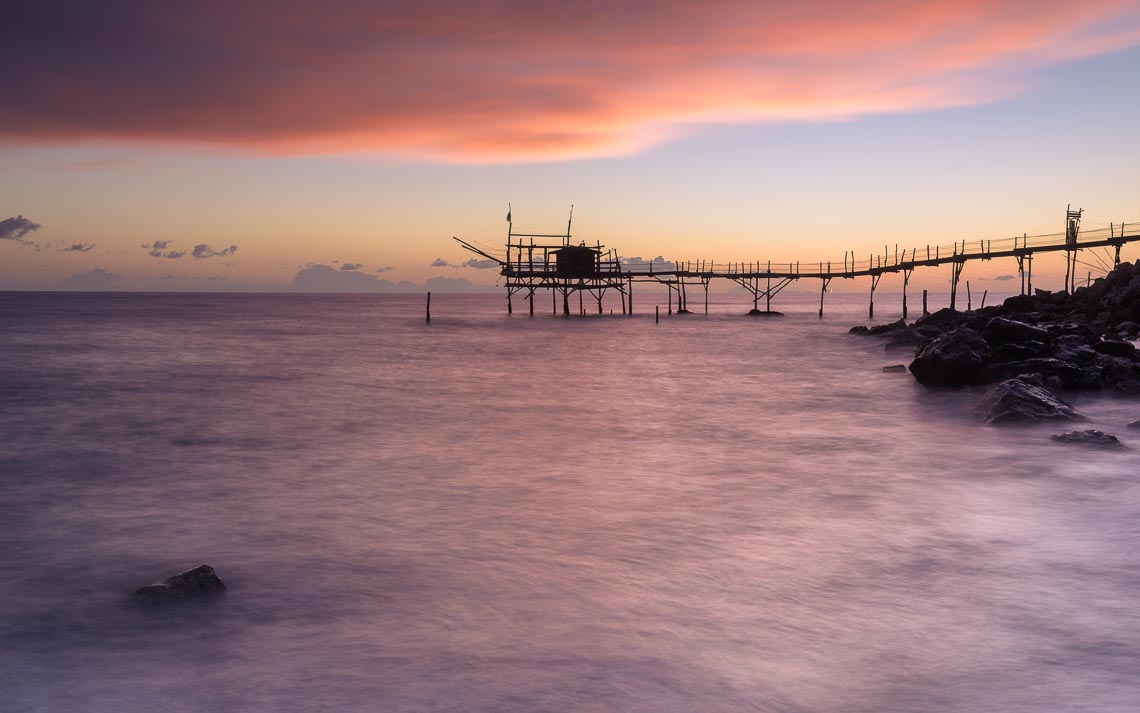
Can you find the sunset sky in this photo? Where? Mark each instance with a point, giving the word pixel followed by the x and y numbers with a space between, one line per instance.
pixel 226 145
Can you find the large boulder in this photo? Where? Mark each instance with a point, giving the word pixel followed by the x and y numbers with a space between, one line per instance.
pixel 1001 331
pixel 1015 400
pixel 198 583
pixel 1090 437
pixel 956 358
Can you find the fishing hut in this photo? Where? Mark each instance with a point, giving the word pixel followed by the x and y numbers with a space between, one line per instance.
pixel 551 261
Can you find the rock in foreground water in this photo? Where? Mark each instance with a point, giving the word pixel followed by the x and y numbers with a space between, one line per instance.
pixel 1090 437
pixel 1015 400
pixel 198 583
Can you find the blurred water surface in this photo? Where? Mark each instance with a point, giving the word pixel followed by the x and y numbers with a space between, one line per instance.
pixel 512 514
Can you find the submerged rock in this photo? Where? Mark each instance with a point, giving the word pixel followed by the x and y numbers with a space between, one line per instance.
pixel 954 359
pixel 1090 437
pixel 765 313
pixel 894 368
pixel 1134 424
pixel 1016 400
pixel 197 583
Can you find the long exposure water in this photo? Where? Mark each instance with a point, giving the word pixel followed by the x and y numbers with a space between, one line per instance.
pixel 513 514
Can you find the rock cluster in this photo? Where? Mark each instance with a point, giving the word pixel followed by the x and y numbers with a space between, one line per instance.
pixel 1062 341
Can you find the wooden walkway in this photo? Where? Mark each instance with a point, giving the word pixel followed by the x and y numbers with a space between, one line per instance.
pixel 529 266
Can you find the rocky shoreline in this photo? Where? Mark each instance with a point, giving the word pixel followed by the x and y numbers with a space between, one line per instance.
pixel 1031 348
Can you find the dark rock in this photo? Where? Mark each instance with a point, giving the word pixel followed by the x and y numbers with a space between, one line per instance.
pixel 1089 438
pixel 1128 327
pixel 894 368
pixel 198 583
pixel 1001 331
pixel 905 338
pixel 956 358
pixel 1134 424
pixel 1019 352
pixel 1016 400
pixel 1066 373
pixel 859 329
pixel 765 313
pixel 881 329
pixel 1020 303
pixel 943 320
pixel 1126 387
pixel 1115 348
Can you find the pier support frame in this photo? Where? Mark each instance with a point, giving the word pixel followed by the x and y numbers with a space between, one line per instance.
pixel 906 281
pixel 871 305
pixel 955 273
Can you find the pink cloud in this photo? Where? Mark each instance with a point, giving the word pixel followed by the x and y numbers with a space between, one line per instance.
pixel 478 81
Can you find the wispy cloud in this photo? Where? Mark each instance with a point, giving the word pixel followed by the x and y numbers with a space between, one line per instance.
pixel 349 266
pixel 530 80
pixel 440 262
pixel 159 248
pixel 202 251
pixel 16 228
pixel 78 248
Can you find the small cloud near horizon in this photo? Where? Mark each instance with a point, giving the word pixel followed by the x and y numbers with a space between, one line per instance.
pixel 16 228
pixel 159 249
pixel 202 251
pixel 92 281
pixel 78 248
pixel 350 266
pixel 1004 278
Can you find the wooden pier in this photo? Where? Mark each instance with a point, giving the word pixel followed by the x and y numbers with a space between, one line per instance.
pixel 563 268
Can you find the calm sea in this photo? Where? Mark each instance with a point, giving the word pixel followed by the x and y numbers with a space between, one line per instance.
pixel 512 514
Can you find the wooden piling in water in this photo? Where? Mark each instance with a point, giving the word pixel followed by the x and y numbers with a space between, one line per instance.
pixel 429 307
pixel 925 311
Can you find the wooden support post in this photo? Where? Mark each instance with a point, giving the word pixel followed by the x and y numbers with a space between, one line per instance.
pixel 768 293
pixel 969 299
pixel 509 310
pixel 984 293
pixel 622 291
pixel 871 304
pixel 1029 275
pixel 631 296
pixel 566 301
pixel 925 311
pixel 429 307
pixel 530 298
pixel 822 292
pixel 581 304
pixel 706 281
pixel 670 286
pixel 906 281
pixel 657 314
pixel 554 300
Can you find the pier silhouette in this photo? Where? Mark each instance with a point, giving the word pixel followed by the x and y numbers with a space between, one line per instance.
pixel 565 268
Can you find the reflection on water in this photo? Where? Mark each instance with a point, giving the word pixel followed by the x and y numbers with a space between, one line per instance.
pixel 493 514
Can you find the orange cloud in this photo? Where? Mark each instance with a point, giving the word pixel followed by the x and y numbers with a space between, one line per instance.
pixel 494 81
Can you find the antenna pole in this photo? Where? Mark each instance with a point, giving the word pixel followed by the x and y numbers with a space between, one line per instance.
pixel 569 223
